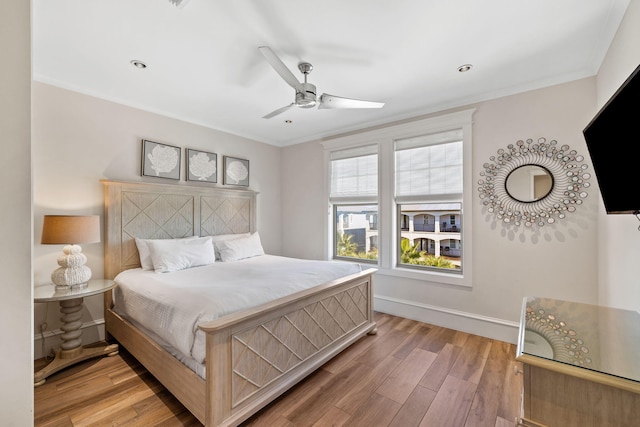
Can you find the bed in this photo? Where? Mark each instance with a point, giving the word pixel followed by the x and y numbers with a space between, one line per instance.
pixel 252 354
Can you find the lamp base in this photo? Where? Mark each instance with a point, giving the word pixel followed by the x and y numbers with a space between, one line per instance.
pixel 72 274
pixel 72 287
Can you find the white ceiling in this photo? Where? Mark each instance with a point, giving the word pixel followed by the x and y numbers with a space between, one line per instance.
pixel 204 66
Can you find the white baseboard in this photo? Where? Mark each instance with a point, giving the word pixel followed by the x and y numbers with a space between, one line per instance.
pixel 92 331
pixel 477 324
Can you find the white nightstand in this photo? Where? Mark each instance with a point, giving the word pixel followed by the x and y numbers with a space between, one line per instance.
pixel 71 351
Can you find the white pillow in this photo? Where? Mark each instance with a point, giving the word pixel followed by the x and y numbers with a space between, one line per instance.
pixel 244 247
pixel 177 254
pixel 224 238
pixel 145 254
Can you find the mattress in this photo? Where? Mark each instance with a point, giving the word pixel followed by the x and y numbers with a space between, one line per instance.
pixel 172 305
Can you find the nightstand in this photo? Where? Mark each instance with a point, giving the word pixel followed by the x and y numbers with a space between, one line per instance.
pixel 71 351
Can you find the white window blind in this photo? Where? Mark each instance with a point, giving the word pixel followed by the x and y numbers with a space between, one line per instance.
pixel 354 173
pixel 429 165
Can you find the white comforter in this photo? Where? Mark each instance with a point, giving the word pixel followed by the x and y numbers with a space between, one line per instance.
pixel 172 305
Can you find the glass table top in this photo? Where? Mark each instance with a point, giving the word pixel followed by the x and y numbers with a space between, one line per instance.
pixel 48 293
pixel 601 339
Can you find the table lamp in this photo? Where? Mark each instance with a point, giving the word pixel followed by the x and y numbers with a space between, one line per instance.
pixel 70 230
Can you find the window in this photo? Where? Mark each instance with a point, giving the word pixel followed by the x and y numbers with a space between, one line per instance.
pixel 431 247
pixel 401 196
pixel 428 183
pixel 356 231
pixel 354 196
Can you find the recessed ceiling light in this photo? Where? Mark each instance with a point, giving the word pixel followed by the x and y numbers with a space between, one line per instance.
pixel 464 68
pixel 138 64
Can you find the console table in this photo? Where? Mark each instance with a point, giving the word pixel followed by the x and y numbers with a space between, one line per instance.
pixel 71 351
pixel 581 364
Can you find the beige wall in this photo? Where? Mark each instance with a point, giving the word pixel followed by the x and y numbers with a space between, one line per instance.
pixel 79 140
pixel 303 207
pixel 558 261
pixel 618 235
pixel 16 369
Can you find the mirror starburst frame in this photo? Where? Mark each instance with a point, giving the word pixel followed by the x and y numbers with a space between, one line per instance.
pixel 570 179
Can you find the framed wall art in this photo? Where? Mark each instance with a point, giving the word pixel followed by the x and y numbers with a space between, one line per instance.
pixel 202 166
pixel 160 160
pixel 236 171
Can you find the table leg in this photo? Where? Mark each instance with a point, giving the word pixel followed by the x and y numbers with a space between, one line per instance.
pixel 71 350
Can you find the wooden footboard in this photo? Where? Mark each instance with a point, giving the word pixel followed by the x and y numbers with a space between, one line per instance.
pixel 256 355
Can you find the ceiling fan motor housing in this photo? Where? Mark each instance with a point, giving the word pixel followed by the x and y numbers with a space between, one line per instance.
pixel 307 97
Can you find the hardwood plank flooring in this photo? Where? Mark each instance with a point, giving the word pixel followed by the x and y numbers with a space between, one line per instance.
pixel 409 374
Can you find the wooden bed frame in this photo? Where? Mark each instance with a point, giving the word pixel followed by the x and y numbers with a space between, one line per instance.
pixel 253 356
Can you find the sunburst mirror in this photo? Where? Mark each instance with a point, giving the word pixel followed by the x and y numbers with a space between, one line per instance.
pixel 533 183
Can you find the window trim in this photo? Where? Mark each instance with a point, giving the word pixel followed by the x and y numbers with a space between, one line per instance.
pixel 387 216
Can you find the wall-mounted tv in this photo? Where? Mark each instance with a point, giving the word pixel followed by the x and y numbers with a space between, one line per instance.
pixel 613 141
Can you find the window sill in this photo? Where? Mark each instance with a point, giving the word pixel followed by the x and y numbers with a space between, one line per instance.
pixel 363 261
pixel 427 276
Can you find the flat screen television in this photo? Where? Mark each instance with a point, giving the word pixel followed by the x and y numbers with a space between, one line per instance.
pixel 613 141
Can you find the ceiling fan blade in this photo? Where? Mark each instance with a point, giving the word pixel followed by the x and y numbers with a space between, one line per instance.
pixel 278 111
pixel 280 68
pixel 332 101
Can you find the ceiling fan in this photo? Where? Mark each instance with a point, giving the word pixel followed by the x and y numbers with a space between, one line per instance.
pixel 306 92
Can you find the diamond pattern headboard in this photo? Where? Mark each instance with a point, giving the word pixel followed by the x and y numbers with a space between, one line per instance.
pixel 164 211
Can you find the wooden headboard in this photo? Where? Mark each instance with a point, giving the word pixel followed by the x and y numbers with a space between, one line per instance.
pixel 164 211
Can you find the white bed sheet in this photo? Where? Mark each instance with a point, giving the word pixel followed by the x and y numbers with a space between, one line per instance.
pixel 172 305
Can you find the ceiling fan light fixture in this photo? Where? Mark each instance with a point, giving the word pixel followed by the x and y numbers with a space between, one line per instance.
pixel 307 97
pixel 138 64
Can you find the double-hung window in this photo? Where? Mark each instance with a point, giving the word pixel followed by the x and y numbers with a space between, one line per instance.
pixel 354 201
pixel 428 199
pixel 400 197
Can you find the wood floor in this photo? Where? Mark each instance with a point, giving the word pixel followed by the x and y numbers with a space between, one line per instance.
pixel 409 374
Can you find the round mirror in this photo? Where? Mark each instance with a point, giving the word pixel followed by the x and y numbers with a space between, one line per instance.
pixel 529 183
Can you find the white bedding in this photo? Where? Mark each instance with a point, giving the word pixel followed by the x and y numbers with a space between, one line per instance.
pixel 172 305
